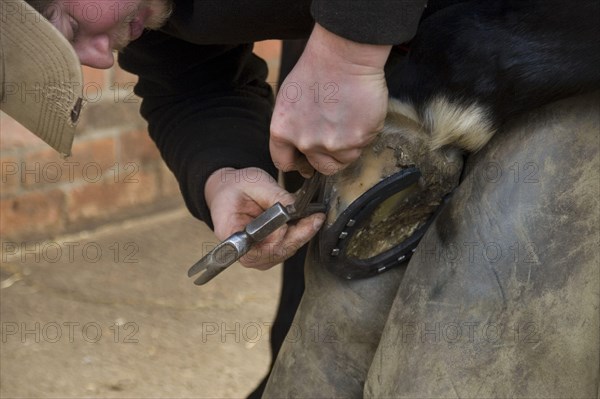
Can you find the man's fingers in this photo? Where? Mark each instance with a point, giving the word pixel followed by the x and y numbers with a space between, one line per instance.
pixel 329 164
pixel 262 254
pixel 265 195
pixel 283 154
pixel 287 158
pixel 277 248
pixel 303 166
pixel 304 229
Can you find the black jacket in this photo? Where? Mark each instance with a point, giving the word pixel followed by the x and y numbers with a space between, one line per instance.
pixel 204 93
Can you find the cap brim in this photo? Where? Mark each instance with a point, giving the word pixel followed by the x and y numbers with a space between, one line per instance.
pixel 40 75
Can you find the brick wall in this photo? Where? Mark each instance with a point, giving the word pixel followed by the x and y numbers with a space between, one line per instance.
pixel 115 171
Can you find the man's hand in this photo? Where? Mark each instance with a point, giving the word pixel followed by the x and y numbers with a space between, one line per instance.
pixel 330 106
pixel 236 196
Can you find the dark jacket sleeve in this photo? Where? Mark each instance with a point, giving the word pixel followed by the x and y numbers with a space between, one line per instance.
pixel 207 107
pixel 370 21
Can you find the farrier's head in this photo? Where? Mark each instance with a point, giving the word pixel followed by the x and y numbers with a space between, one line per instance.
pixel 44 43
pixel 96 28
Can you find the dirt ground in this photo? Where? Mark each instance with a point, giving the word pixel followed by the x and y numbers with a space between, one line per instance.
pixel 112 313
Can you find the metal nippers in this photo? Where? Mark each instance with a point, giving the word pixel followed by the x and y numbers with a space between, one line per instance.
pixel 238 244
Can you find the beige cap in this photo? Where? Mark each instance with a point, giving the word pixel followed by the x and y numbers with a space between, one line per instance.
pixel 41 82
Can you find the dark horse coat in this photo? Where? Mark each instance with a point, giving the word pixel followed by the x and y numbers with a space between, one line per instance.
pixel 475 65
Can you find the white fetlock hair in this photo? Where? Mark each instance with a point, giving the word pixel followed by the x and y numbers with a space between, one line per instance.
pixel 468 127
